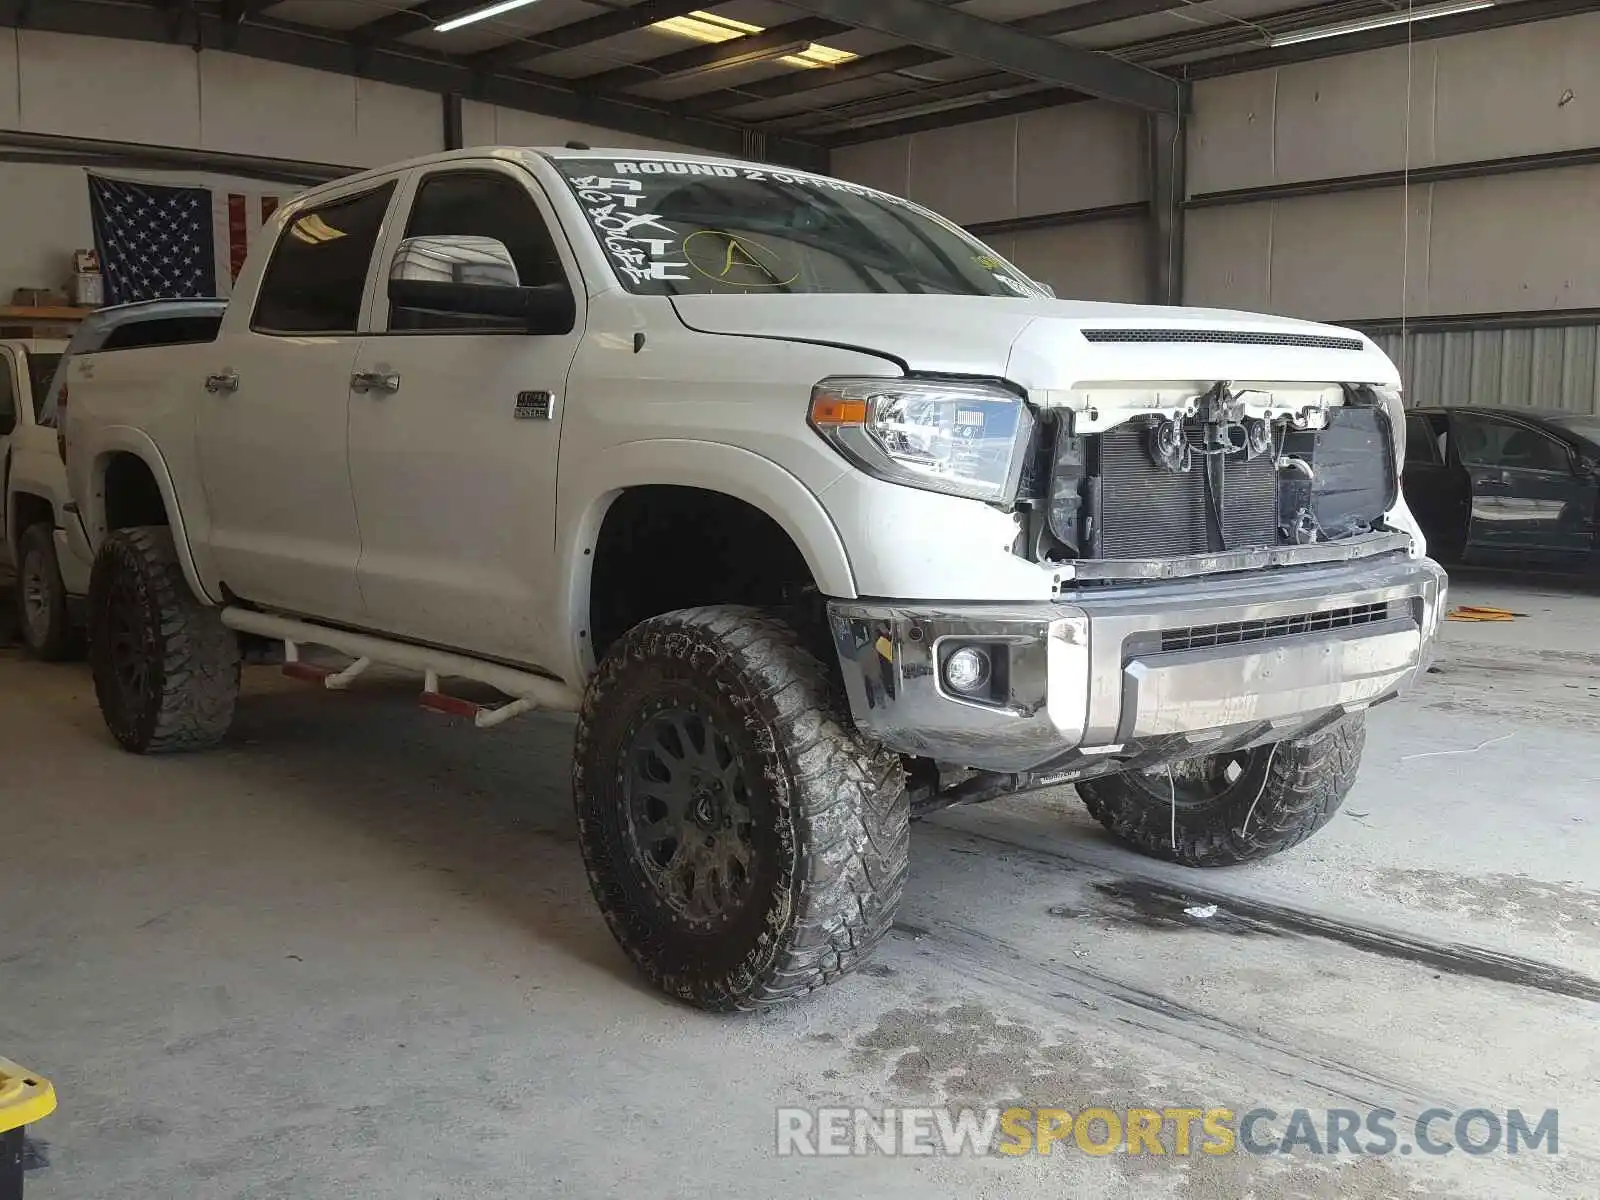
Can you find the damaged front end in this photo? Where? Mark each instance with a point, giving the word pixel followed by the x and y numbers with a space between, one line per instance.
pixel 1137 482
pixel 1160 513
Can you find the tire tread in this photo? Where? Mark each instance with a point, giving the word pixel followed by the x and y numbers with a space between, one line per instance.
pixel 845 797
pixel 198 675
pixel 1306 782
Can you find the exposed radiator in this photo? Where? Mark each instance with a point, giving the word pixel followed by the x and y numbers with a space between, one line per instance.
pixel 1146 511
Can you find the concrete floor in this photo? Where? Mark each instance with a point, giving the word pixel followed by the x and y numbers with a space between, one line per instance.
pixel 353 954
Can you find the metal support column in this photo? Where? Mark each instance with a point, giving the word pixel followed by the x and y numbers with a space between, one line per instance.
pixel 454 136
pixel 1165 134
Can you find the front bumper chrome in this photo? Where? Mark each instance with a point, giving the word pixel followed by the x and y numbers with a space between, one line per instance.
pixel 1116 677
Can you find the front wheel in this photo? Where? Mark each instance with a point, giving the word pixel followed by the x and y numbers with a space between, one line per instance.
pixel 1234 807
pixel 166 669
pixel 744 843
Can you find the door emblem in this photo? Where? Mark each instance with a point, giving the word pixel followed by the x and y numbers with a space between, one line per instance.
pixel 535 406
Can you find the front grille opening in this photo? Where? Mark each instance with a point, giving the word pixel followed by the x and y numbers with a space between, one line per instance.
pixel 1202 637
pixel 1233 337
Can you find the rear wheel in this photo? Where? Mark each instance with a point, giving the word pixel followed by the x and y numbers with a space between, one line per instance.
pixel 744 843
pixel 42 614
pixel 1233 807
pixel 166 669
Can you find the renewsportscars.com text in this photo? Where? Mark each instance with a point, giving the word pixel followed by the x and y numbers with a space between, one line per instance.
pixel 1175 1132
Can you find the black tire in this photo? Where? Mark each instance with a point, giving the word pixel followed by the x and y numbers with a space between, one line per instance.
pixel 1281 795
pixel 166 669
pixel 824 812
pixel 43 620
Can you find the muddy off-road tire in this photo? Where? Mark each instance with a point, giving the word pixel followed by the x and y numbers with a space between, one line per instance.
pixel 43 620
pixel 745 844
pixel 1233 808
pixel 166 669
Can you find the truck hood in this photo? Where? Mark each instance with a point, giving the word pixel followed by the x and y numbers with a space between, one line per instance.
pixel 1053 345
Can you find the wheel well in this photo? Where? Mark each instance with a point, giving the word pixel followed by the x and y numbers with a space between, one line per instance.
pixel 29 510
pixel 662 549
pixel 132 496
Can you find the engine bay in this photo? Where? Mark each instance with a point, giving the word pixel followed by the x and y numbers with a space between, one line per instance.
pixel 1222 474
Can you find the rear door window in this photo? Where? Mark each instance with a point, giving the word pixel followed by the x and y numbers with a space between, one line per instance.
pixel 1422 444
pixel 41 370
pixel 318 273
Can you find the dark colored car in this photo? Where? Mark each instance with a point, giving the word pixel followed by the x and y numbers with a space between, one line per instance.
pixel 1504 486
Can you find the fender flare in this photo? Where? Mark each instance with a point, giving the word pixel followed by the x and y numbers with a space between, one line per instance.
pixel 711 466
pixel 124 439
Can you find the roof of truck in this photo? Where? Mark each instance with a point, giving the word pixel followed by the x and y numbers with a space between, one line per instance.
pixel 552 153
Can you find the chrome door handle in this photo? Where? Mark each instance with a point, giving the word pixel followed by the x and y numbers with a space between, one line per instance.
pixel 222 381
pixel 375 381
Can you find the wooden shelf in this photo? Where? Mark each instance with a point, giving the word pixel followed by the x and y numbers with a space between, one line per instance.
pixel 20 313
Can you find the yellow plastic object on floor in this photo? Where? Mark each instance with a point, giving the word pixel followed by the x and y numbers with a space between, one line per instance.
pixel 25 1096
pixel 1467 612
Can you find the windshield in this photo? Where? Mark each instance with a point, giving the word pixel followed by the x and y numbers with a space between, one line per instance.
pixel 675 228
pixel 41 370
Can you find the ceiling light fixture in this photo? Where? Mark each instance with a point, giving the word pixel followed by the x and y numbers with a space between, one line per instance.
pixel 481 14
pixel 711 28
pixel 1406 17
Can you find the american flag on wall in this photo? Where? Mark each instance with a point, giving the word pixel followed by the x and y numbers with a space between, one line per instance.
pixel 160 242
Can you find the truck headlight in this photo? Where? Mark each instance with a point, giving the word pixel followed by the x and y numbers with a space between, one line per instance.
pixel 964 438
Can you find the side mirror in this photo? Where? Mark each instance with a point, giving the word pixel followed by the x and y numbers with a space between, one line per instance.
pixel 461 276
pixel 1048 290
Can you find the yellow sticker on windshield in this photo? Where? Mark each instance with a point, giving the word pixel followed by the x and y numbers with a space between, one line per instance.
pixel 737 260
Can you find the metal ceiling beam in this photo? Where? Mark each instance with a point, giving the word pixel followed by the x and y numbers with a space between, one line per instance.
pixel 1050 24
pixel 1233 36
pixel 1028 102
pixel 1095 12
pixel 582 33
pixel 240 10
pixel 799 82
pixel 1525 12
pixel 958 34
pixel 412 20
pixel 413 67
pixel 848 114
pixel 563 37
pixel 754 47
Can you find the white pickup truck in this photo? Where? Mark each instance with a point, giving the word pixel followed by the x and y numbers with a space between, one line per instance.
pixel 49 580
pixel 818 512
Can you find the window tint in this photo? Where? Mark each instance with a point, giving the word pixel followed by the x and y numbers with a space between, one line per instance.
pixel 318 270
pixel 41 370
pixel 1486 442
pixel 8 396
pixel 1422 445
pixel 488 204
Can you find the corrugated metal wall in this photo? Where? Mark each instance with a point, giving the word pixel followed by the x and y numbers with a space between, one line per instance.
pixel 1529 368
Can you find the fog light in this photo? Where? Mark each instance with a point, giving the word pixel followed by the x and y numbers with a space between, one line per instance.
pixel 967 670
